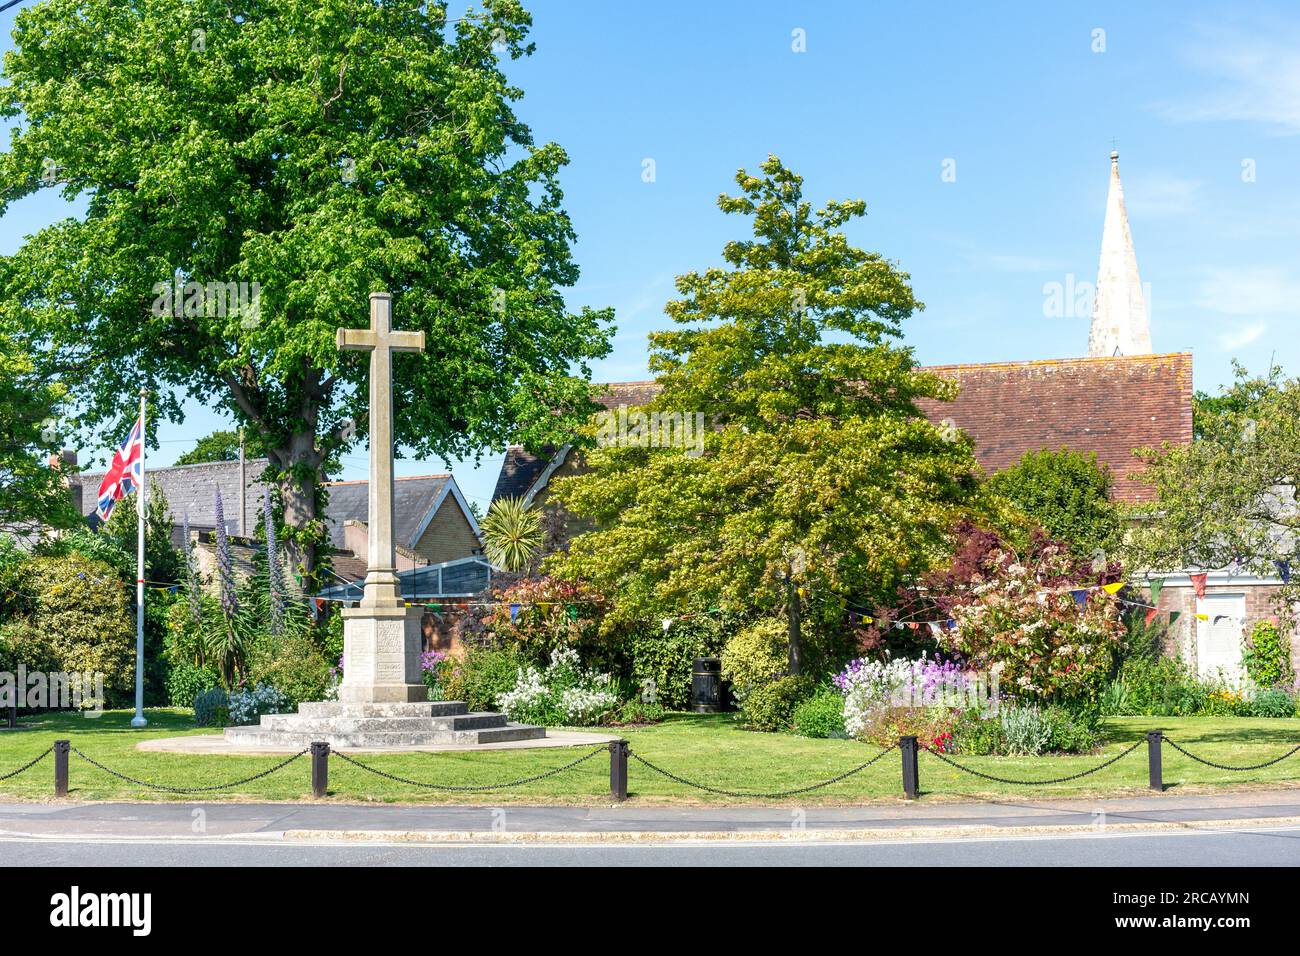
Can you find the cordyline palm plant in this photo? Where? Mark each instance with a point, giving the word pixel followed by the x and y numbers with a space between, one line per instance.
pixel 512 534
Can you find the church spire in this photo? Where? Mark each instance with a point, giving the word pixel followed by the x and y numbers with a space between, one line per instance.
pixel 1119 311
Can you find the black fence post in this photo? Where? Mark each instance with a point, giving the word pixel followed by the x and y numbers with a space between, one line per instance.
pixel 320 768
pixel 61 748
pixel 618 769
pixel 911 771
pixel 1154 768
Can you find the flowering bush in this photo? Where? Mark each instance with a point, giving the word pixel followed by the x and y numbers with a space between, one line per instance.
pixel 247 705
pixel 1017 619
pixel 562 693
pixel 543 614
pixel 870 686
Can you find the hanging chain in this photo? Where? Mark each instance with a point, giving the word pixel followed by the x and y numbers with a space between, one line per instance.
pixel 1037 783
pixel 1219 766
pixel 27 766
pixel 771 796
pixel 166 789
pixel 468 789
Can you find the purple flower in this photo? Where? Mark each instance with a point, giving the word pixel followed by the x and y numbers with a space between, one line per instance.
pixel 225 566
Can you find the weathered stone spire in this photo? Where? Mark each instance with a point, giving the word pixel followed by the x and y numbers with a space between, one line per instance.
pixel 1119 311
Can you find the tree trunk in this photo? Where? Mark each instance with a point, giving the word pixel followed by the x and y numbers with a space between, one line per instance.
pixel 298 482
pixel 795 665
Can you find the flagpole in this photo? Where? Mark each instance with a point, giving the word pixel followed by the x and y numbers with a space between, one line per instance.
pixel 138 720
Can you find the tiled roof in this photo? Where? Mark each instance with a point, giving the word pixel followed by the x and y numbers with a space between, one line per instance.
pixel 191 489
pixel 519 470
pixel 1109 406
pixel 412 499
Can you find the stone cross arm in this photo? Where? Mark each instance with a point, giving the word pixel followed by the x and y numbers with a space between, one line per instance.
pixel 366 339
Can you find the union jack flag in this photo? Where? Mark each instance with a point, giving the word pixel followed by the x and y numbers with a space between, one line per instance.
pixel 125 472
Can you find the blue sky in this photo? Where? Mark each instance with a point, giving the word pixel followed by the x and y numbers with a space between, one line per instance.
pixel 1016 95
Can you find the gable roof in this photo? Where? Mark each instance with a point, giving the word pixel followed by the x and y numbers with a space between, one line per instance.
pixel 1106 405
pixel 415 501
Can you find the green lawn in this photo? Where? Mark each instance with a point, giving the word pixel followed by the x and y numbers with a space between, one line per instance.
pixel 708 749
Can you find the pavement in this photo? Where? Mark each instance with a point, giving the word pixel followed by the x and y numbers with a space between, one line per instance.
pixel 337 823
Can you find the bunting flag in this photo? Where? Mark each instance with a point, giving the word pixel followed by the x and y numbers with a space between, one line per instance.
pixel 914 625
pixel 573 613
pixel 1155 585
pixel 1202 617
pixel 1283 570
pixel 1080 596
pixel 514 613
pixel 1113 588
pixel 1198 582
pixel 1173 616
pixel 951 623
pixel 1151 614
pixel 667 623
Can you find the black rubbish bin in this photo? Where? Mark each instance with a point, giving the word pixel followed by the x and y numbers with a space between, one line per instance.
pixel 706 685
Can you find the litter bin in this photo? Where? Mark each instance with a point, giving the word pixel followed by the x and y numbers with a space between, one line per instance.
pixel 706 685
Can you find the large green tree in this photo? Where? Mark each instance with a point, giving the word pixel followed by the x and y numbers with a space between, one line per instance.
pixel 32 494
pixel 1067 494
pixel 819 481
pixel 313 151
pixel 221 445
pixel 1228 500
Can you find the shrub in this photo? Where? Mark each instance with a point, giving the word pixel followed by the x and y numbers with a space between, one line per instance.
pixel 756 655
pixel 821 715
pixel 479 676
pixel 21 643
pixel 1268 656
pixel 185 682
pixel 248 704
pixel 931 726
pixel 870 685
pixel 563 694
pixel 1072 732
pixel 637 711
pixel 1273 703
pixel 1026 730
pixel 1226 702
pixel 81 617
pixel 550 615
pixel 295 666
pixel 667 659
pixel 770 707
pixel 978 735
pixel 1154 687
pixel 212 708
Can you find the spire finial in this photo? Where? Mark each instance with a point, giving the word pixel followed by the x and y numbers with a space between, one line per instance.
pixel 1119 310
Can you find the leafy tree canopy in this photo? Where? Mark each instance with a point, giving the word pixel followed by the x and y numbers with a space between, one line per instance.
pixel 1228 500
pixel 222 445
pixel 820 480
pixel 250 173
pixel 1067 494
pixel 32 494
